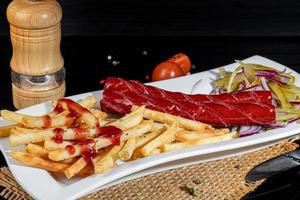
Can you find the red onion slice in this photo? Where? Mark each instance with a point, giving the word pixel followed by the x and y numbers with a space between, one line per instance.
pixel 268 71
pixel 249 130
pixel 196 86
pixel 278 125
pixel 264 83
pixel 280 82
pixel 293 120
pixel 253 88
pixel 296 102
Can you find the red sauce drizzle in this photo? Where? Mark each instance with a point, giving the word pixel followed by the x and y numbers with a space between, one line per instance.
pixel 73 107
pixel 88 150
pixel 58 135
pixel 70 119
pixel 70 149
pixel 80 133
pixel 58 108
pixel 47 121
pixel 76 110
pixel 111 132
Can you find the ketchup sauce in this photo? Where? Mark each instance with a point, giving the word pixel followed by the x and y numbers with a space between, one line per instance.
pixel 73 107
pixel 58 108
pixel 70 149
pixel 111 132
pixel 76 110
pixel 46 121
pixel 88 150
pixel 58 135
pixel 80 133
pixel 70 119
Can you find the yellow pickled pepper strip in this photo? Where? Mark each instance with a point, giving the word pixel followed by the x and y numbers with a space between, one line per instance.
pixel 289 111
pixel 284 117
pixel 232 77
pixel 279 94
pixel 249 74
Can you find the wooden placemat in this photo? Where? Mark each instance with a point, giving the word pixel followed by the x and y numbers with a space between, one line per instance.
pixel 221 179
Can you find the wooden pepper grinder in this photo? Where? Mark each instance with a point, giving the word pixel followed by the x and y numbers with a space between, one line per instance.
pixel 38 73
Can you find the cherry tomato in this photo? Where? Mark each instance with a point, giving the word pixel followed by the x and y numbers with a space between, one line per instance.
pixel 183 61
pixel 166 70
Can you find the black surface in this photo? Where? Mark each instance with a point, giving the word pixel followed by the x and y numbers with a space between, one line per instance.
pixel 176 17
pixel 274 166
pixel 282 186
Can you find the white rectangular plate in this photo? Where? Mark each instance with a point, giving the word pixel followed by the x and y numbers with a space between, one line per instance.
pixel 42 185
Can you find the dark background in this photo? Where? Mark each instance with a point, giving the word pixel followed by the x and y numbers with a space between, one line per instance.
pixel 142 33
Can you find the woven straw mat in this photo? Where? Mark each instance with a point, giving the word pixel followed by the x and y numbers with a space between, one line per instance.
pixel 221 179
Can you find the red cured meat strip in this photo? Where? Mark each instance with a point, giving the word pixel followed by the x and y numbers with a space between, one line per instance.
pixel 218 113
pixel 119 84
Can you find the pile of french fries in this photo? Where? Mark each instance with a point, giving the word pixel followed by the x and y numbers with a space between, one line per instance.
pixel 144 133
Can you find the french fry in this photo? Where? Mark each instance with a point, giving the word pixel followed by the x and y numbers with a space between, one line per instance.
pixel 137 154
pixel 111 119
pixel 89 119
pixel 159 126
pixel 103 163
pixel 182 145
pixel 199 135
pixel 63 154
pixel 51 166
pixel 219 138
pixel 104 122
pixel 176 146
pixel 12 116
pixel 98 114
pixel 127 150
pixel 170 119
pixel 55 120
pixel 24 130
pixel 38 162
pixel 106 163
pixel 88 102
pixel 144 139
pixel 33 136
pixel 166 137
pixel 142 128
pixel 69 161
pixel 5 130
pixel 85 115
pixel 37 150
pixel 50 145
pixel 18 138
pixel 80 164
pixel 130 120
pixel 154 152
pixel 75 168
pixel 87 171
pixel 35 121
